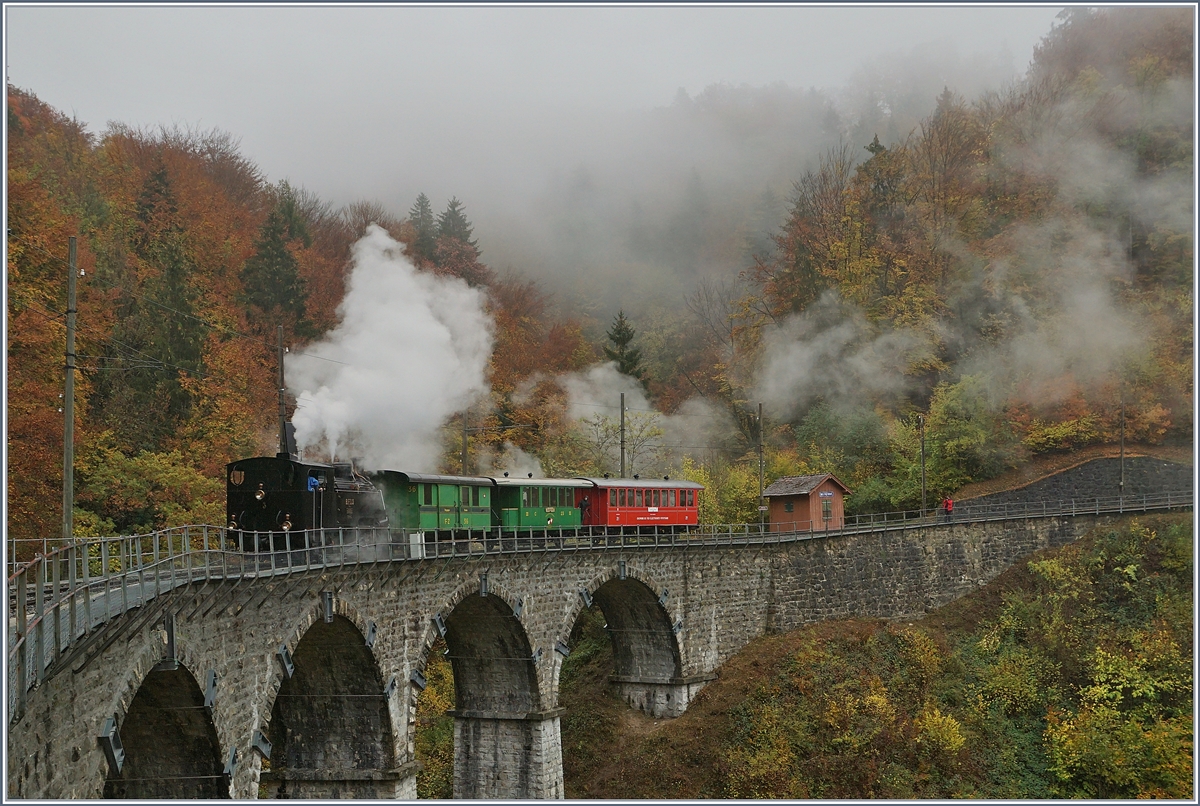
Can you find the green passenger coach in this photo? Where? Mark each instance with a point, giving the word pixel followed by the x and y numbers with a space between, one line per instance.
pixel 425 502
pixel 535 504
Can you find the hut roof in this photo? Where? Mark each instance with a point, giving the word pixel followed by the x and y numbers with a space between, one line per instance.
pixel 801 485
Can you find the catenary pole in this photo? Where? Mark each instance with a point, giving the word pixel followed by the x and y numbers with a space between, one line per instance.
pixel 1121 483
pixel 921 421
pixel 760 464
pixel 622 435
pixel 466 416
pixel 68 407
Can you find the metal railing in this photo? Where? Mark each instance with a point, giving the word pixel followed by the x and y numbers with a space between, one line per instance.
pixel 57 600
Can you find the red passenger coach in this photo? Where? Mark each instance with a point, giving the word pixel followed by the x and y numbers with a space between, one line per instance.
pixel 638 502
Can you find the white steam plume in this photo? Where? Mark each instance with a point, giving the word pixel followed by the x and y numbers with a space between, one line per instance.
pixel 598 391
pixel 831 351
pixel 510 460
pixel 411 349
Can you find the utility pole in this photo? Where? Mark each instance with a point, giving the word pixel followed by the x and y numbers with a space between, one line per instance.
pixel 622 435
pixel 467 429
pixel 68 409
pixel 1121 484
pixel 921 422
pixel 761 507
pixel 466 415
pixel 283 446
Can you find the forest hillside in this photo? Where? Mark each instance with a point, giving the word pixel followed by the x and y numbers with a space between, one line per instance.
pixel 1012 277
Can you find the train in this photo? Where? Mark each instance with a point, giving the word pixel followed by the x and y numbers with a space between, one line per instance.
pixel 280 495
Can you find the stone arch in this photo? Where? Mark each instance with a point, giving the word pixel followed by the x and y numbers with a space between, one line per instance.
pixel 332 728
pixel 309 616
pixel 505 746
pixel 647 655
pixel 170 741
pixel 489 650
pixel 149 682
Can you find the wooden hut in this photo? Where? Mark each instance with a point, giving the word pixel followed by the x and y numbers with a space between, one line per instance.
pixel 806 503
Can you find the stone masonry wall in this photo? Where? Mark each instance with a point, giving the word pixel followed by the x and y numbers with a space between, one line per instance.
pixel 1099 478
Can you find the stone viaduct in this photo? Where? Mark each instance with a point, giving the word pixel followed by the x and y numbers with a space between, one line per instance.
pixel 300 679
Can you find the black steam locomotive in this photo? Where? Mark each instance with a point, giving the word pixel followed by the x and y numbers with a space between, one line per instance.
pixel 279 495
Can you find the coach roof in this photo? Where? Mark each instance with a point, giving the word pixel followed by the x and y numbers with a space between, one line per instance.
pixel 655 484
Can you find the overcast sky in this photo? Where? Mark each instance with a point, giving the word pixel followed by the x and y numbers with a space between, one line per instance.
pixel 380 103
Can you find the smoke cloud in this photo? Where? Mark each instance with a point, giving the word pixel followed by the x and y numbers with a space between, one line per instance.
pixel 598 391
pixel 411 349
pixel 831 351
pixel 1070 324
pixel 510 460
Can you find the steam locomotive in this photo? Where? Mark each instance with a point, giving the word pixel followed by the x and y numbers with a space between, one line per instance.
pixel 272 497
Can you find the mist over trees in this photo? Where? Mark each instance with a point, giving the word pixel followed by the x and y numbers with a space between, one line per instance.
pixel 1014 264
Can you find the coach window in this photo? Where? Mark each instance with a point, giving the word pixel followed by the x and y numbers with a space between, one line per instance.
pixel 612 497
pixel 427 489
pixel 691 498
pixel 671 494
pixel 658 498
pixel 638 498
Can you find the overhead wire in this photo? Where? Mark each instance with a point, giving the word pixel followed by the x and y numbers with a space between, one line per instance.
pixel 151 360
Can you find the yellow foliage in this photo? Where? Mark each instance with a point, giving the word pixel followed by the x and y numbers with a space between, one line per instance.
pixel 939 731
pixel 762 765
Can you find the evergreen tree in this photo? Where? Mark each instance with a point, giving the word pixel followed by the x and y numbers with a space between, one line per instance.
pixel 156 208
pixel 453 223
pixel 157 335
pixel 629 359
pixel 272 286
pixel 457 253
pixel 421 216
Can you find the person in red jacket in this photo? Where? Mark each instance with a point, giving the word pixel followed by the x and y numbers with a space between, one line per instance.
pixel 948 507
